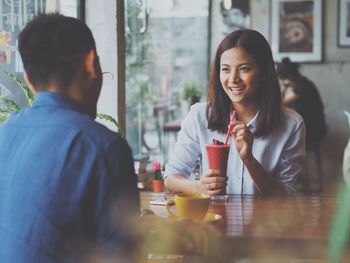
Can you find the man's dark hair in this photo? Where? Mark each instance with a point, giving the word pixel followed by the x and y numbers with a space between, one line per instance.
pixel 52 48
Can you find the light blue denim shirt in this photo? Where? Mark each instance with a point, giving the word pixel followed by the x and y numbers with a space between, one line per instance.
pixel 281 152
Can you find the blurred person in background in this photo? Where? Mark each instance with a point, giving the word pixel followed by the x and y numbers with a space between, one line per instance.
pixel 301 94
pixel 68 191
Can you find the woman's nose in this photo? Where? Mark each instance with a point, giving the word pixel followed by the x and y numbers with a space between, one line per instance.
pixel 234 77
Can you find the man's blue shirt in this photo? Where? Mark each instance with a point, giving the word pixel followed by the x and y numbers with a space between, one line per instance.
pixel 67 183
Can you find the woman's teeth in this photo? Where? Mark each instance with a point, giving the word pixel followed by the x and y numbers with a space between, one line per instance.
pixel 236 89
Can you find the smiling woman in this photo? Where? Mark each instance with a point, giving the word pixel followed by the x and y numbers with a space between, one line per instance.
pixel 242 79
pixel 239 76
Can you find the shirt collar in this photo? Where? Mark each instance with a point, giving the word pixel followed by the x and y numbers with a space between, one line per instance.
pixel 253 122
pixel 46 98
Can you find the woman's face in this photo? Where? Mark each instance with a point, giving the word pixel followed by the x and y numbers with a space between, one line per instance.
pixel 239 76
pixel 287 83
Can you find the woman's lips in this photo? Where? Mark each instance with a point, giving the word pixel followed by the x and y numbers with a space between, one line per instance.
pixel 236 90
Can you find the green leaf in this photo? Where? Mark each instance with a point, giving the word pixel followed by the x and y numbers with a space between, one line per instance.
pixel 29 94
pixel 7 110
pixel 2 118
pixel 109 118
pixel 10 106
pixel 190 90
pixel 13 104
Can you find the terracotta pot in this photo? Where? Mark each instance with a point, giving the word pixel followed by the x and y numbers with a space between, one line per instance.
pixel 158 185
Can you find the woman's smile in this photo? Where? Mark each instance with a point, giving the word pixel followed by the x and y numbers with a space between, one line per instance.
pixel 237 90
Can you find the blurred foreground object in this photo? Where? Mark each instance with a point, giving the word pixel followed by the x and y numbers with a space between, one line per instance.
pixel 346 160
pixel 164 236
pixel 338 247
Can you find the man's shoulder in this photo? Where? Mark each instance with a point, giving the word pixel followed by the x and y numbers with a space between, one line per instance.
pixel 64 120
pixel 95 131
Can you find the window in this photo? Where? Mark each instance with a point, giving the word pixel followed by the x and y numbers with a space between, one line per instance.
pixel 167 49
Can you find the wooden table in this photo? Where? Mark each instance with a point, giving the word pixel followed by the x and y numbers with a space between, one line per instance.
pixel 269 227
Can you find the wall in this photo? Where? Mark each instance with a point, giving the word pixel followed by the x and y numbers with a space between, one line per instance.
pixel 101 18
pixel 332 77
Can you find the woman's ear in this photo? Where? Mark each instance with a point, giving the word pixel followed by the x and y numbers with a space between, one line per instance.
pixel 29 83
pixel 89 63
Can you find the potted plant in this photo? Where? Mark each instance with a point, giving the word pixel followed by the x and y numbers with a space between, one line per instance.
pixel 157 182
pixel 11 106
pixel 191 93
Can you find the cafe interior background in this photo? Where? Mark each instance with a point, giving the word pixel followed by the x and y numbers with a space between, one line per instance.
pixel 155 56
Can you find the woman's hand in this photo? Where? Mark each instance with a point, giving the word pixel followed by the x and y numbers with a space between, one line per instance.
pixel 212 183
pixel 244 140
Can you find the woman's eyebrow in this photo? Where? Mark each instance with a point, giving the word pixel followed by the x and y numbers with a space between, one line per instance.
pixel 239 65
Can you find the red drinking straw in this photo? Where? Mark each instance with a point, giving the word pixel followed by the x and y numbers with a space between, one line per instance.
pixel 233 117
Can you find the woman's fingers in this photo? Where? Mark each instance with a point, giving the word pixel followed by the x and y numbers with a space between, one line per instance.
pixel 212 182
pixel 214 176
pixel 242 134
pixel 239 128
pixel 210 174
pixel 214 186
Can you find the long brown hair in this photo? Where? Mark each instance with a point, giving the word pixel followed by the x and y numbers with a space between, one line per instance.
pixel 268 93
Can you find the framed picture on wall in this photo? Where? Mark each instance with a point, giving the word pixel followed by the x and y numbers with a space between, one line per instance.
pixel 228 16
pixel 296 30
pixel 344 23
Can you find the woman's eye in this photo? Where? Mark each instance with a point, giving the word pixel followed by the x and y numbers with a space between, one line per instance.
pixel 225 70
pixel 244 69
